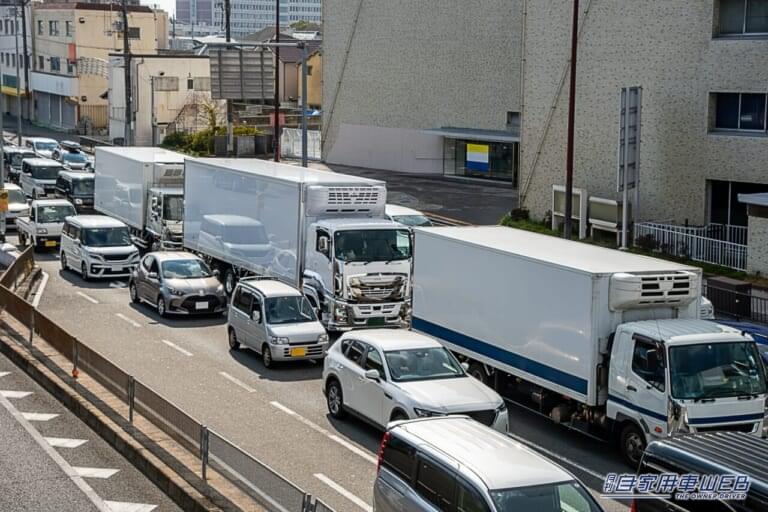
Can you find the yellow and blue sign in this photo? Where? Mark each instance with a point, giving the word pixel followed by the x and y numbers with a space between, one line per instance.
pixel 477 157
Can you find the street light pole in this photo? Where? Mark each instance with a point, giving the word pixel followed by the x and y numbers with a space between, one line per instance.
pixel 127 75
pixel 230 135
pixel 567 228
pixel 23 4
pixel 276 136
pixel 18 81
pixel 2 159
pixel 304 105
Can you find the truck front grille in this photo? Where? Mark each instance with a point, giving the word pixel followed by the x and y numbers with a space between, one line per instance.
pixel 739 427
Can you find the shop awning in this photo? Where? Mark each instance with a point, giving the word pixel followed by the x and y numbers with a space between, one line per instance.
pixel 11 91
pixel 475 134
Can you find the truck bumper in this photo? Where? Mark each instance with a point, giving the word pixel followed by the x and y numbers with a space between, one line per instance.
pixel 345 316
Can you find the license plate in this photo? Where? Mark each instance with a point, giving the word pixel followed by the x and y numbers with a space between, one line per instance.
pixel 298 352
pixel 376 321
pixel 201 305
pixel 50 243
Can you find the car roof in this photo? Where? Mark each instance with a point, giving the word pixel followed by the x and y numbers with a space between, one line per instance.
pixel 77 174
pixel 228 220
pixel 17 149
pixel 396 209
pixel 271 287
pixel 499 461
pixel 42 162
pixel 393 339
pixel 96 221
pixel 41 139
pixel 52 202
pixel 174 255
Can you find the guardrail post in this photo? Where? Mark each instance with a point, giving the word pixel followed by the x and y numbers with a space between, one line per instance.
pixel 75 356
pixel 306 504
pixel 31 326
pixel 204 450
pixel 131 396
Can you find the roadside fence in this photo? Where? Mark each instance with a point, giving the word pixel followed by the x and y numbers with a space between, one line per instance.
pixel 737 305
pixel 244 470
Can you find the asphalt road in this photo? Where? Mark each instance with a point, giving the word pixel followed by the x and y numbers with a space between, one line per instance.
pixel 50 460
pixel 277 415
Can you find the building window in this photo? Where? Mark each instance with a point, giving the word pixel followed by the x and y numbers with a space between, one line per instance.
pixel 740 111
pixel 40 62
pixel 53 28
pixel 166 83
pixel 202 83
pixel 40 26
pixel 55 64
pixel 70 68
pixel 133 33
pixel 740 17
pixel 190 84
pixel 68 28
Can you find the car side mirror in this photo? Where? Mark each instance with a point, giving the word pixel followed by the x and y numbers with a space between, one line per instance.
pixel 152 275
pixel 256 316
pixel 373 375
pixel 465 365
pixel 216 272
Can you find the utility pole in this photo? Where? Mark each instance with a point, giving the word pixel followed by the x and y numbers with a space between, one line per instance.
pixel 18 80
pixel 304 105
pixel 230 138
pixel 2 160
pixel 567 228
pixel 127 75
pixel 276 136
pixel 23 4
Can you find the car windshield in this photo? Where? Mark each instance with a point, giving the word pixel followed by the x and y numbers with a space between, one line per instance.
pixel 185 269
pixel 245 235
pixel 716 370
pixel 46 172
pixel 373 245
pixel 107 237
pixel 16 158
pixel 412 220
pixel 54 213
pixel 173 208
pixel 288 310
pixel 45 146
pixel 72 156
pixel 83 187
pixel 422 364
pixel 16 196
pixel 563 497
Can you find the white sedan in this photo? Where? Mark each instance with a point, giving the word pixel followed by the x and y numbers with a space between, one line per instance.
pixel 406 216
pixel 384 375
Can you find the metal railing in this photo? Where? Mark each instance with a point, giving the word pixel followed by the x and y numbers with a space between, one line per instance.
pixel 683 242
pixel 737 305
pixel 244 470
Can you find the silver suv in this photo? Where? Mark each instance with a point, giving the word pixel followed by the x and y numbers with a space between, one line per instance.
pixel 457 464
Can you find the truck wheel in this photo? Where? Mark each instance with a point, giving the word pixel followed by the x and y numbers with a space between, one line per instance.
pixel 477 371
pixel 335 399
pixel 266 357
pixel 230 280
pixel 632 444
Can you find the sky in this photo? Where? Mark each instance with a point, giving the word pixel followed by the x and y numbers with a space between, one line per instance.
pixel 168 6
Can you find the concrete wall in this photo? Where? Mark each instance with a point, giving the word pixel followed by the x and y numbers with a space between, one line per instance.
pixel 668 48
pixel 412 66
pixel 757 241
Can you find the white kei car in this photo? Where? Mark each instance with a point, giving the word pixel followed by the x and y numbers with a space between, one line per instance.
pixel 383 375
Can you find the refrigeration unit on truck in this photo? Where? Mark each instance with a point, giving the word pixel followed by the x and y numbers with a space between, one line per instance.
pixel 320 231
pixel 604 341
pixel 143 187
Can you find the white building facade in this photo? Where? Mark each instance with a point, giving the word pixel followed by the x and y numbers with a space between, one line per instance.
pixel 11 36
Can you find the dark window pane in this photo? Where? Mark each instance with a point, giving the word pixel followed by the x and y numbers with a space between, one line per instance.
pixel 355 353
pixel 646 364
pixel 468 499
pixel 399 457
pixel 731 16
pixel 752 114
pixel 727 113
pixel 435 485
pixel 757 16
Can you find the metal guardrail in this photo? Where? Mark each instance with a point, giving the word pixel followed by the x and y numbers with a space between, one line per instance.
pixel 737 305
pixel 258 479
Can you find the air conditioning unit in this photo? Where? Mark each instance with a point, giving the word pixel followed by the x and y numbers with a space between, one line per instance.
pixel 632 291
pixel 324 200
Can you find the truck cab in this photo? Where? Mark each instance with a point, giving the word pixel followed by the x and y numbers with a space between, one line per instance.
pixel 366 266
pixel 38 176
pixel 42 228
pixel 683 376
pixel 165 217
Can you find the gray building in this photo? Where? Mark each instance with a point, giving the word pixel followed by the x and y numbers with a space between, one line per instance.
pixel 430 86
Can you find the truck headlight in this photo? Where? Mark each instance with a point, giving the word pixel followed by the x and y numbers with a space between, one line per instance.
pixel 78 201
pixel 425 413
pixel 278 340
pixel 323 338
pixel 42 231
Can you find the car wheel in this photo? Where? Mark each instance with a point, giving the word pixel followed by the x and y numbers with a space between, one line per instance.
pixel 632 445
pixel 84 271
pixel 335 399
pixel 230 280
pixel 134 293
pixel 63 261
pixel 233 343
pixel 266 356
pixel 161 307
pixel 477 371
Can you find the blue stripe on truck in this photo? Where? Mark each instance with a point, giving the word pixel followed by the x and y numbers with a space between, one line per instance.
pixel 503 356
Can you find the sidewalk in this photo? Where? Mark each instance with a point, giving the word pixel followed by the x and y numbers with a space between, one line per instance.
pixel 30 130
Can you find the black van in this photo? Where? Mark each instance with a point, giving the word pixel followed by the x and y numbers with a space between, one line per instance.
pixel 77 188
pixel 713 453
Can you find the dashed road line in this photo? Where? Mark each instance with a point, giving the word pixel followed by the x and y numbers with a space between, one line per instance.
pixel 88 298
pixel 102 473
pixel 126 319
pixel 317 428
pixel 237 382
pixel 176 347
pixel 339 489
pixel 122 506
pixel 14 394
pixel 40 290
pixel 64 442
pixel 38 416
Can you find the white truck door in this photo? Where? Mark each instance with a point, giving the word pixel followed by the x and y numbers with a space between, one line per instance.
pixel 646 385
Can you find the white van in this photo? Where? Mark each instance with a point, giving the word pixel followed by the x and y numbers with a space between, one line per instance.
pixel 38 176
pixel 97 246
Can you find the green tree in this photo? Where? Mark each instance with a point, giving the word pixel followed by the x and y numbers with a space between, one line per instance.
pixel 300 25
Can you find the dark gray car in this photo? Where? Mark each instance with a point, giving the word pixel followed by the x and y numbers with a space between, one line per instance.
pixel 177 283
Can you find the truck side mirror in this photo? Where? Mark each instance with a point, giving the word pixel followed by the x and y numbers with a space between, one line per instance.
pixel 322 245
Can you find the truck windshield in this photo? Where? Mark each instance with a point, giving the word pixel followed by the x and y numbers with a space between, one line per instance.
pixel 46 173
pixel 716 370
pixel 16 196
pixel 83 187
pixel 173 208
pixel 54 213
pixel 107 237
pixel 373 245
pixel 288 310
pixel 568 496
pixel 16 158
pixel 185 269
pixel 422 364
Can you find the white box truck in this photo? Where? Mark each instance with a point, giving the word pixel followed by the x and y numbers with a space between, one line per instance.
pixel 323 232
pixel 142 186
pixel 607 342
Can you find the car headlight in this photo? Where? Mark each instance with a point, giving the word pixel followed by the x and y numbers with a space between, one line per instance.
pixel 424 413
pixel 42 231
pixel 220 289
pixel 78 201
pixel 174 291
pixel 278 340
pixel 323 338
pixel 341 313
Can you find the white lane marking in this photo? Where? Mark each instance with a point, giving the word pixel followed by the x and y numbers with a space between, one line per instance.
pixel 122 506
pixel 557 456
pixel 38 416
pixel 3 374
pixel 175 346
pixel 63 442
pixel 237 382
pixel 339 489
pixel 40 290
pixel 14 394
pixel 346 444
pixel 117 284
pixel 126 319
pixel 102 473
pixel 55 456
pixel 88 298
